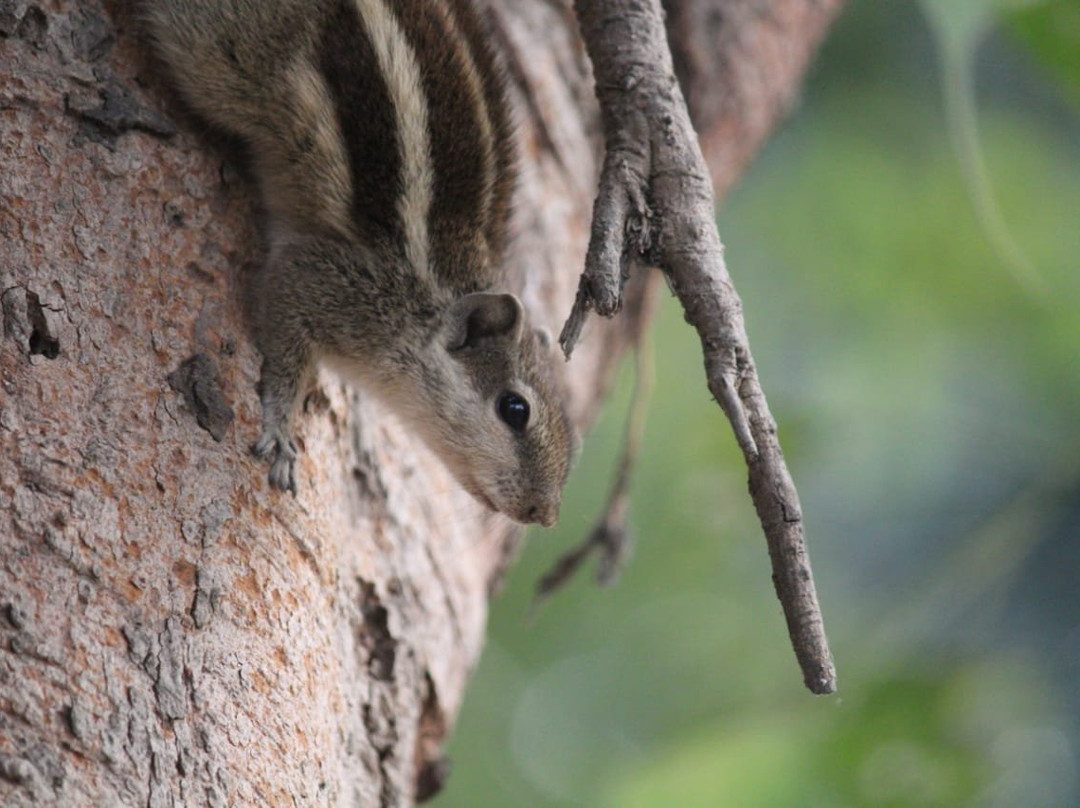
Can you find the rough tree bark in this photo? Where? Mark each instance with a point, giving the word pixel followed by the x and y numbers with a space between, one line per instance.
pixel 172 631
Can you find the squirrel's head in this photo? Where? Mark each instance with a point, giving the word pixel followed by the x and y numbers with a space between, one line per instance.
pixel 500 422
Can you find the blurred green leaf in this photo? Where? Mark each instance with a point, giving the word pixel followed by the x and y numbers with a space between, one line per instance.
pixel 910 741
pixel 959 27
pixel 1051 33
pixel 759 764
pixel 962 23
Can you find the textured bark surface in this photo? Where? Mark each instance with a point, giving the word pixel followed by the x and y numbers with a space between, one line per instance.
pixel 171 630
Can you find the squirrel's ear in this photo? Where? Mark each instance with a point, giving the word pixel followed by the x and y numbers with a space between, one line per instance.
pixel 481 318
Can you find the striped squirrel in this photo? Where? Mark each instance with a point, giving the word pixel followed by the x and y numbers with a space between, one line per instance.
pixel 379 134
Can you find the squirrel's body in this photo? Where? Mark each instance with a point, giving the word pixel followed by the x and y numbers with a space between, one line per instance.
pixel 380 137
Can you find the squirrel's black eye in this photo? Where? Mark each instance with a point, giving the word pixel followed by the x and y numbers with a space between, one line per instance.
pixel 514 410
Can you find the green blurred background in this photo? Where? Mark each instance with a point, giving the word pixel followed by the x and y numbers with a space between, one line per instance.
pixel 912 296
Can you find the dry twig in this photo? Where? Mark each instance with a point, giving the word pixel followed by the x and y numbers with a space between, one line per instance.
pixel 656 203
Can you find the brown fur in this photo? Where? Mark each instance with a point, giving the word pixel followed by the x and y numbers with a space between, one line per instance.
pixel 380 136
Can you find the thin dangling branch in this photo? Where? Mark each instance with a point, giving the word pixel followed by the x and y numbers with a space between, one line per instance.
pixel 656 203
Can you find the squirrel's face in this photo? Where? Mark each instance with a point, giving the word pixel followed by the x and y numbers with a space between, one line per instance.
pixel 501 425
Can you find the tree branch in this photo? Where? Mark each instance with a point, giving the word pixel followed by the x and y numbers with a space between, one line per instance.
pixel 656 203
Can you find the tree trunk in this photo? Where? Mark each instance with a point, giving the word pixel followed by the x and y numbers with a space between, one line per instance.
pixel 173 631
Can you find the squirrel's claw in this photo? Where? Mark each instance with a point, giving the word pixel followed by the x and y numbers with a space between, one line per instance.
pixel 283 468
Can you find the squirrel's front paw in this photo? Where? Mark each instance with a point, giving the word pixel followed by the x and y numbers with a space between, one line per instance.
pixel 283 469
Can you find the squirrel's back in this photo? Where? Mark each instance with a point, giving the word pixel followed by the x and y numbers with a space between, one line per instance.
pixel 381 120
pixel 379 132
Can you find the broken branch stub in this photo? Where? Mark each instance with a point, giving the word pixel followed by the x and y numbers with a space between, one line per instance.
pixel 656 201
pixel 619 233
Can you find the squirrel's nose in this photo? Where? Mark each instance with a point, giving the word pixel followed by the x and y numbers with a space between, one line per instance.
pixel 543 515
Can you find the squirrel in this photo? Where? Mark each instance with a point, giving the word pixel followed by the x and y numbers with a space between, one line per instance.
pixel 379 134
